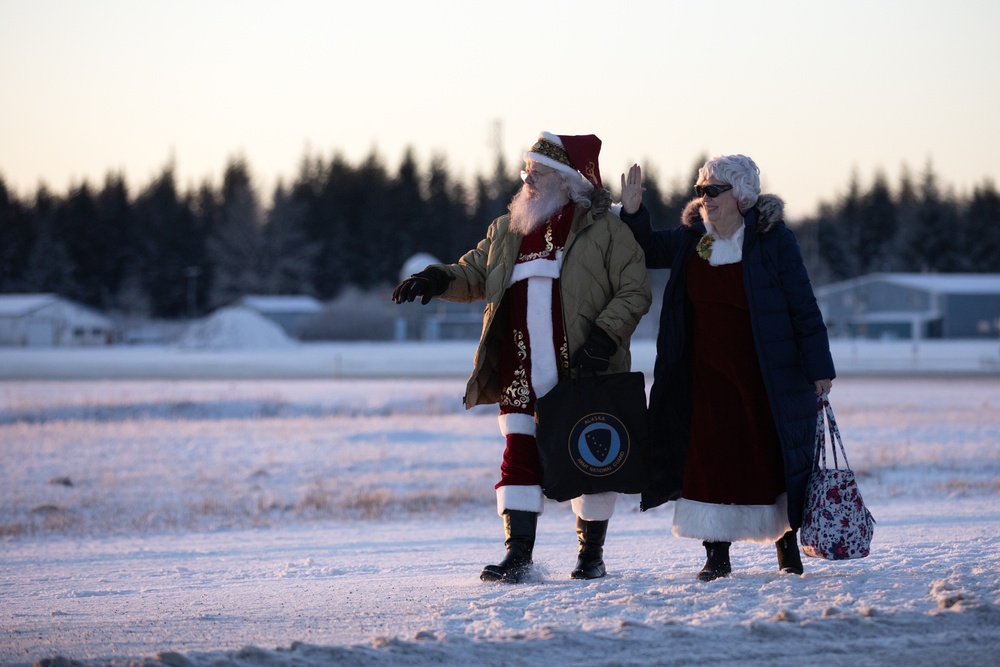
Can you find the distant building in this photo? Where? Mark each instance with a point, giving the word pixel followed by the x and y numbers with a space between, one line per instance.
pixel 290 312
pixel 48 320
pixel 913 306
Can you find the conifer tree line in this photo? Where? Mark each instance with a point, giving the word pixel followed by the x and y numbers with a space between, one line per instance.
pixel 164 253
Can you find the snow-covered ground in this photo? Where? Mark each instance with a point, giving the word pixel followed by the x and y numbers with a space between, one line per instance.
pixel 342 517
pixel 199 357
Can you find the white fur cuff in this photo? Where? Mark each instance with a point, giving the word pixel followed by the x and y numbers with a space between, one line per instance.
pixel 595 506
pixel 524 498
pixel 517 422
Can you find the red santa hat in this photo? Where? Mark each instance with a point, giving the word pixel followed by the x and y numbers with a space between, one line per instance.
pixel 575 154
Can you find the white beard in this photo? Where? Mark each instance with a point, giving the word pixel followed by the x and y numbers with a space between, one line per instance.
pixel 529 213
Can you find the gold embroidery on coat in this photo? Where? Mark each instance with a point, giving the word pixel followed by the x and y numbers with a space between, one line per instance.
pixel 549 246
pixel 564 357
pixel 518 394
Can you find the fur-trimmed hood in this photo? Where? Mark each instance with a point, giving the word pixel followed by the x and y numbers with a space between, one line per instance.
pixel 771 212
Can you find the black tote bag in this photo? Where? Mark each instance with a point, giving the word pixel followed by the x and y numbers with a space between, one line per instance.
pixel 593 435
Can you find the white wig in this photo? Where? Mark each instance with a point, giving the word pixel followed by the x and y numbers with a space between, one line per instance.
pixel 578 188
pixel 738 171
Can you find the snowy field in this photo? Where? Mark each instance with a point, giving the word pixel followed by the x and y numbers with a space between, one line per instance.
pixel 341 516
pixel 264 356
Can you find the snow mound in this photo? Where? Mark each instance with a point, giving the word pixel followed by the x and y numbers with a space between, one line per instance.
pixel 416 263
pixel 235 328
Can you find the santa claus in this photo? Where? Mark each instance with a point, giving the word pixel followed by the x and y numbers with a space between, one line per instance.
pixel 565 285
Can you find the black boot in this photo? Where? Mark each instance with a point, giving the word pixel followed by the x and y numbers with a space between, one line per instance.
pixel 788 554
pixel 717 564
pixel 519 528
pixel 590 562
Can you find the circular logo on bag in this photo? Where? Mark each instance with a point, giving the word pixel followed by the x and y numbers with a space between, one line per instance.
pixel 599 444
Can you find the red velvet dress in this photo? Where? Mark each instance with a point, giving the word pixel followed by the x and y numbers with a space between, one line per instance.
pixel 734 456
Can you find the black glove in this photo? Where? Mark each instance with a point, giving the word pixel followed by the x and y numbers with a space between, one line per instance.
pixel 595 353
pixel 427 284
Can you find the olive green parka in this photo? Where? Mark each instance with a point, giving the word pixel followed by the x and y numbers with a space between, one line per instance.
pixel 603 281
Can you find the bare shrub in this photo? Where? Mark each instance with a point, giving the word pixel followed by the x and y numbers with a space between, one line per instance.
pixel 13 529
pixel 381 503
pixel 963 487
pixel 316 498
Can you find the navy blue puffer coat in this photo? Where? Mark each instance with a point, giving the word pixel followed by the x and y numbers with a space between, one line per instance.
pixel 789 334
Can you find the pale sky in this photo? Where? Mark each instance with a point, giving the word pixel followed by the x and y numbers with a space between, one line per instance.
pixel 811 90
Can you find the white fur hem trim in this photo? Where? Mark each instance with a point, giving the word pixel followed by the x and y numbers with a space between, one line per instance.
pixel 731 523
pixel 517 422
pixel 537 268
pixel 544 371
pixel 524 498
pixel 595 506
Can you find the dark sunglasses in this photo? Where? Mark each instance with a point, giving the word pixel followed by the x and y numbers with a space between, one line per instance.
pixel 712 191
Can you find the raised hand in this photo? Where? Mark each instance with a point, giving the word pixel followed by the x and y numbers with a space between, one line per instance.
pixel 632 189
